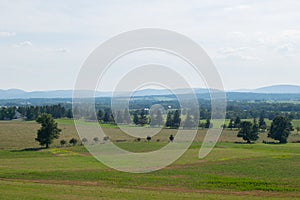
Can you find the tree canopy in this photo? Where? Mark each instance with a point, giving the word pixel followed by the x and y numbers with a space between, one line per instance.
pixel 248 131
pixel 48 131
pixel 281 128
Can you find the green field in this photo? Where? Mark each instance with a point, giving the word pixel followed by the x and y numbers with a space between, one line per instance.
pixel 231 171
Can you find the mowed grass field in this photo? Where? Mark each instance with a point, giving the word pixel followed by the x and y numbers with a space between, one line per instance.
pixel 231 171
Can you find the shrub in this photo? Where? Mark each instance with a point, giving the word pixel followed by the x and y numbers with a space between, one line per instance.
pixel 84 140
pixel 148 138
pixel 96 139
pixel 73 141
pixel 63 142
pixel 171 138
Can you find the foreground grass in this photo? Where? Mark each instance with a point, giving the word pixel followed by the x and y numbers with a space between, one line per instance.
pixel 28 190
pixel 230 171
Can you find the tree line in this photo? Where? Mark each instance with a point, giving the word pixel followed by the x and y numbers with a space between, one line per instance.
pixel 32 112
pixel 245 110
pixel 280 129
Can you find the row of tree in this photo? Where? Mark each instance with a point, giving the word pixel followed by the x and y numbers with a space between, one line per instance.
pixel 280 129
pixel 236 123
pixel 7 113
pixel 32 112
pixel 243 110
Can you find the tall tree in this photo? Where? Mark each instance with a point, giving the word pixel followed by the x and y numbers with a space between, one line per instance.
pixel 207 123
pixel 169 120
pixel 48 130
pixel 281 128
pixel 237 122
pixel 261 122
pixel 108 117
pixel 126 117
pixel 231 125
pixel 255 128
pixel 188 122
pixel 119 117
pixel 156 118
pixel 247 132
pixel 69 114
pixel 176 119
pixel 100 115
pixel 159 118
pixel 143 120
pixel 136 117
pixel 153 118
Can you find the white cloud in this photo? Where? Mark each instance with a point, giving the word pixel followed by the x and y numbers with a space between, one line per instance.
pixel 292 34
pixel 236 53
pixel 7 34
pixel 237 7
pixel 236 35
pixel 286 49
pixel 62 50
pixel 25 44
pixel 59 50
pixel 232 50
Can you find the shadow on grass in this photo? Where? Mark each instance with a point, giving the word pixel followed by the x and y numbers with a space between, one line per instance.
pixel 266 142
pixel 28 149
pixel 244 143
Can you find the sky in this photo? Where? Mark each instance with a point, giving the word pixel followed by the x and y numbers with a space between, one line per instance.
pixel 43 44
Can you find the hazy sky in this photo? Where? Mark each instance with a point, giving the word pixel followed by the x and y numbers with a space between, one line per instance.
pixel 252 43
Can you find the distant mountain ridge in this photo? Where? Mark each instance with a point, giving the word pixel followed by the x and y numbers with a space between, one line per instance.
pixel 279 89
pixel 21 94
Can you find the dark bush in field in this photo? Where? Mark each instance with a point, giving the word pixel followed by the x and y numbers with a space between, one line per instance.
pixel 73 141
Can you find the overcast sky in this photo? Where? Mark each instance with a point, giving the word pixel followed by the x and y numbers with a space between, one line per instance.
pixel 252 43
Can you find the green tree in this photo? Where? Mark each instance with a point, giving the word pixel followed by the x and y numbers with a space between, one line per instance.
pixel 152 118
pixel 126 117
pixel 156 118
pixel 237 122
pixel 119 117
pixel 298 129
pixel 48 130
pixel 248 132
pixel 100 115
pixel 261 122
pixel 63 142
pixel 159 118
pixel 255 128
pixel 108 117
pixel 188 122
pixel 201 125
pixel 136 118
pixel 169 120
pixel 207 123
pixel 73 141
pixel 231 125
pixel 176 119
pixel 143 120
pixel 281 128
pixel 69 114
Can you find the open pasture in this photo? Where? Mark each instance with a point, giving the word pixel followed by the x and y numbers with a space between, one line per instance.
pixel 231 171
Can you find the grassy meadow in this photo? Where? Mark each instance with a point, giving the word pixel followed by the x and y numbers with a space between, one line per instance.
pixel 233 170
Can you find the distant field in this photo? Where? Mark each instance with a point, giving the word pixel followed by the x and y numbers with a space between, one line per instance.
pixel 230 171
